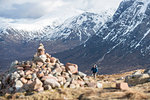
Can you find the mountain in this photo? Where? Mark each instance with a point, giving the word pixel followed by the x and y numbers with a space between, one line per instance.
pixel 17 40
pixel 121 44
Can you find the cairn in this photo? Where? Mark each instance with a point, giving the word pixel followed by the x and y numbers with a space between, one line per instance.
pixel 44 72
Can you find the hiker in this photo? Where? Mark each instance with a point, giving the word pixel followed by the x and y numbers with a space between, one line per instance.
pixel 41 53
pixel 94 70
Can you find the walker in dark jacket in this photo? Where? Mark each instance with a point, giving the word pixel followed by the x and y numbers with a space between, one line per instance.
pixel 94 70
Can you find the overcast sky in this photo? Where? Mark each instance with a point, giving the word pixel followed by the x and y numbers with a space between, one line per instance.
pixel 18 9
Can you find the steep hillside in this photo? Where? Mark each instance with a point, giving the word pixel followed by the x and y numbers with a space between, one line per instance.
pixel 122 44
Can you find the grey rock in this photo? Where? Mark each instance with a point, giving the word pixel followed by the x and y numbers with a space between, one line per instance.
pixel 18 85
pixel 34 76
pixel 137 73
pixel 147 71
pixel 81 74
pixel 15 76
pixel 10 89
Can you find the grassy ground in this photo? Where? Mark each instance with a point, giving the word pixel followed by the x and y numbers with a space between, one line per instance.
pixel 138 92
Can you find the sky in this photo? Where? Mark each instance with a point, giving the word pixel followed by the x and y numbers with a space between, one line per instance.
pixel 24 11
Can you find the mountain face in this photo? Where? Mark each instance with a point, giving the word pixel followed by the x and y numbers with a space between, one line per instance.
pixel 20 44
pixel 122 43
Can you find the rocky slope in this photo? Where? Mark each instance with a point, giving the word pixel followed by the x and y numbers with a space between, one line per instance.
pixel 138 92
pixel 70 34
pixel 122 43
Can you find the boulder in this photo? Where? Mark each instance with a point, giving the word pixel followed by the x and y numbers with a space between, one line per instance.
pixel 122 86
pixel 73 68
pixel 137 79
pixel 52 82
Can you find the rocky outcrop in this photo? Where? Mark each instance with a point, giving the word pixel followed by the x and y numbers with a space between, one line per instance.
pixel 38 75
pixel 138 77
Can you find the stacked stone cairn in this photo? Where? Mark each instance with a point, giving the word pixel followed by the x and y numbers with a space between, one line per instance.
pixel 42 73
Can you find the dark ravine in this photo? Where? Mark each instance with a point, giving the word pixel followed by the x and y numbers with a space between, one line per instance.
pixel 122 44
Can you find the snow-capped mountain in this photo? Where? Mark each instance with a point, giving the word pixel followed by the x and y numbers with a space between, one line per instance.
pixel 122 43
pixel 16 42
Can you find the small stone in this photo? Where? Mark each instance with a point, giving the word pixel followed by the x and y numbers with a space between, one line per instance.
pixel 81 74
pixel 73 68
pixel 15 76
pixel 34 76
pixel 122 86
pixel 29 76
pixel 29 82
pixel 37 84
pixel 47 87
pixel 53 60
pixel 0 85
pixel 92 84
pixel 28 72
pixel 23 80
pixel 81 83
pixel 21 72
pixel 40 63
pixel 137 73
pixel 99 85
pixel 52 82
pixel 18 85
pixel 20 68
pixel 63 68
pixel 66 84
pixel 40 89
pixel 40 74
pixel 72 86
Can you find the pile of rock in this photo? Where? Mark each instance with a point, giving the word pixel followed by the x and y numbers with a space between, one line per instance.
pixel 42 74
pixel 138 77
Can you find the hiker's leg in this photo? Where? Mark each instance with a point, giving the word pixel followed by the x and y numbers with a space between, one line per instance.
pixel 94 74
